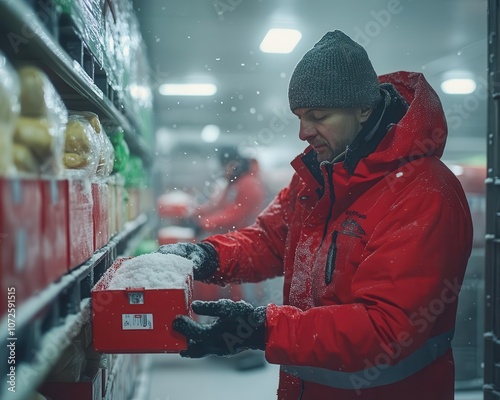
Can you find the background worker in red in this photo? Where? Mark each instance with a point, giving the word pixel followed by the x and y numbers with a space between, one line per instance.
pixel 241 200
pixel 234 207
pixel 372 235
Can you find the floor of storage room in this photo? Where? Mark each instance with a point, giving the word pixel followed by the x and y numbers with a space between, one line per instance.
pixel 171 377
pixel 174 378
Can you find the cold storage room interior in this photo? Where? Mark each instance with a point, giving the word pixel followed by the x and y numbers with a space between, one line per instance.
pixel 127 126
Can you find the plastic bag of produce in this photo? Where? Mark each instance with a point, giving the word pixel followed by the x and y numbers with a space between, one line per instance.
pixel 39 132
pixel 104 147
pixel 9 111
pixel 81 148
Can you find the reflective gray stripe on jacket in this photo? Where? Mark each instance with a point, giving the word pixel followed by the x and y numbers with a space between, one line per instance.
pixel 379 375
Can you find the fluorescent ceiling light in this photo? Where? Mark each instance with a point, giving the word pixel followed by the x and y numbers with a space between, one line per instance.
pixel 210 133
pixel 280 40
pixel 458 86
pixel 188 89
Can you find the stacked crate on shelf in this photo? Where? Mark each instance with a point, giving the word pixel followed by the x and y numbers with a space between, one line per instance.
pixel 92 32
pixel 20 240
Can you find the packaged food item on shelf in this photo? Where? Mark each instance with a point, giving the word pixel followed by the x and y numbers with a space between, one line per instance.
pixel 135 183
pixel 9 111
pixel 39 130
pixel 70 365
pixel 121 150
pixel 105 158
pixel 109 154
pixel 81 147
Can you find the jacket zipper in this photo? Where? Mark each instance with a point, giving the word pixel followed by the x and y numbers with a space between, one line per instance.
pixel 328 268
pixel 329 168
pixel 301 389
pixel 330 259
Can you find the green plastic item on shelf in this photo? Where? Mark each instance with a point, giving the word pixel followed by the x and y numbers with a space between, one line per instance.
pixel 116 135
pixel 134 174
pixel 65 5
pixel 122 152
pixel 122 155
pixel 146 246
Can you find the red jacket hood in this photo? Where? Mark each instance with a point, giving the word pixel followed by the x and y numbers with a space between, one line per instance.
pixel 421 137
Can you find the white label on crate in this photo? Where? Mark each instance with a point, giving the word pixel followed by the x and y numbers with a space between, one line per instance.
pixel 137 321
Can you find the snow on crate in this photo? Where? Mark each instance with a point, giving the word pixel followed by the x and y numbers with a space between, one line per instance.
pixel 136 301
pixel 152 271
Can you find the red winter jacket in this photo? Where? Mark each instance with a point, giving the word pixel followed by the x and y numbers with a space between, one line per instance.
pixel 373 253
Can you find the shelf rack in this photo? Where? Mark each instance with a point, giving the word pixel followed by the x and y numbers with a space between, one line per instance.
pixel 24 38
pixel 47 322
pixel 31 32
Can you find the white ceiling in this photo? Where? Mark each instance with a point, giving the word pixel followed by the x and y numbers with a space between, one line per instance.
pixel 220 39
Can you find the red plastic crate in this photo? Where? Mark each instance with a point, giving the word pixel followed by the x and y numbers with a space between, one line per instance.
pixel 88 388
pixel 81 222
pixel 55 228
pixel 100 195
pixel 175 234
pixel 173 205
pixel 137 320
pixel 21 267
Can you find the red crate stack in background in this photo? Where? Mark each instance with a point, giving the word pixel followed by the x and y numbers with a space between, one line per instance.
pixel 100 196
pixel 81 223
pixel 55 227
pixel 21 263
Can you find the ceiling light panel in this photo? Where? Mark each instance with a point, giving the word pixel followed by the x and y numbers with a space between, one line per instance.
pixel 188 89
pixel 458 86
pixel 280 41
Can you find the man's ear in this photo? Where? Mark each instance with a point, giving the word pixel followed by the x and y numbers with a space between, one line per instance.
pixel 365 114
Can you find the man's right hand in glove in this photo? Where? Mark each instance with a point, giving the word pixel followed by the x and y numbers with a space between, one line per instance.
pixel 204 257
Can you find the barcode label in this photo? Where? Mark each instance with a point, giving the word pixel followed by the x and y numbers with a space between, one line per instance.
pixel 137 321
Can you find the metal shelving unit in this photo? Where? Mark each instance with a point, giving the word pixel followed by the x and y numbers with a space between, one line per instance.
pixel 31 32
pixel 25 39
pixel 492 270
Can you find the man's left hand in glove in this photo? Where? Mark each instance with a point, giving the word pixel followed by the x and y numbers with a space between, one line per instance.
pixel 240 326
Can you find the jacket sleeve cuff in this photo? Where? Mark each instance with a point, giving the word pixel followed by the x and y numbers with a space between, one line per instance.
pixel 272 317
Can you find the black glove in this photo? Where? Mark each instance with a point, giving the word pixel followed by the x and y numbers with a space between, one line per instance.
pixel 204 257
pixel 240 326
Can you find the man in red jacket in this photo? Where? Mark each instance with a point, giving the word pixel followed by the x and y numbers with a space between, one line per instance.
pixel 372 236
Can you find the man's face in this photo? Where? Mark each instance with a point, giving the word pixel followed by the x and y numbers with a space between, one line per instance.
pixel 330 130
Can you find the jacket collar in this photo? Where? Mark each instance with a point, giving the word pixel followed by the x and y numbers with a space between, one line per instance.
pixel 389 112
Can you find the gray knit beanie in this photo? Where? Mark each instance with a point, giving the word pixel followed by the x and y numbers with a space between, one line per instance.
pixel 335 73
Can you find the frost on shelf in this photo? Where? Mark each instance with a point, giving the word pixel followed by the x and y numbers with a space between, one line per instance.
pixel 152 271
